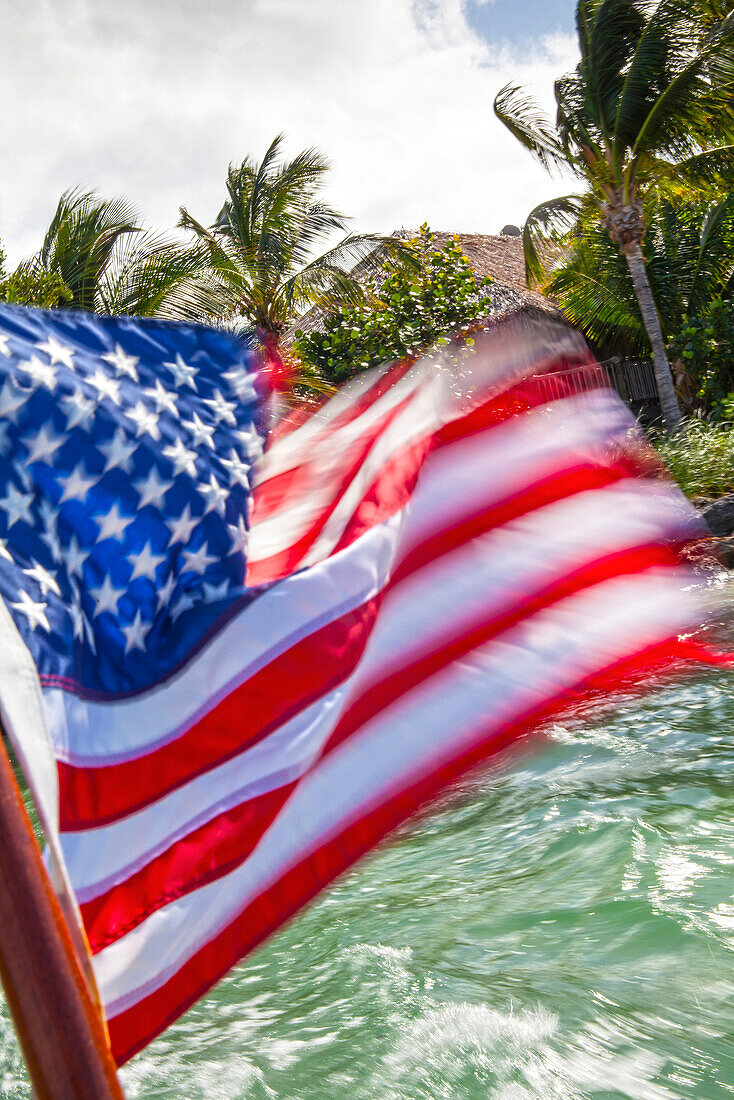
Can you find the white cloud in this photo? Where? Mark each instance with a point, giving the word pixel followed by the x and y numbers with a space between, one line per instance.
pixel 153 100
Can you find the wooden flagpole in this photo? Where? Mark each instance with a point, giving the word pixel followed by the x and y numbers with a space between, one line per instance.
pixel 61 1033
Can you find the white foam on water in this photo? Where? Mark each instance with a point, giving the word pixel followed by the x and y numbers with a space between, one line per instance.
pixel 232 1078
pixel 469 1030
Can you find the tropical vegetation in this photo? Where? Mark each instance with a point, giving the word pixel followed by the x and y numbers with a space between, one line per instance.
pixel 701 459
pixel 689 253
pixel 97 256
pixel 408 308
pixel 260 247
pixel 649 110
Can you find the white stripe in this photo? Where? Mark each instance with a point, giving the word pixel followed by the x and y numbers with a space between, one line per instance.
pixel 502 679
pixel 496 572
pixel 318 432
pixel 489 576
pixel 476 472
pixel 418 421
pixel 87 732
pixel 282 528
pixel 454 483
pixel 99 858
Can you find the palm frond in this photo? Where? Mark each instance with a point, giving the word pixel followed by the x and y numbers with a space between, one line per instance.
pixel 544 228
pixel 81 238
pixel 697 98
pixel 714 266
pixel 155 277
pixel 524 119
pixel 612 36
pixel 711 167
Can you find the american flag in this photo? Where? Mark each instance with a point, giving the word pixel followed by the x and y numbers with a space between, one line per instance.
pixel 229 674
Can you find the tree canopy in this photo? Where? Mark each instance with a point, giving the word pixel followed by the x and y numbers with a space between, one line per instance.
pixel 650 105
pixel 261 245
pixel 97 256
pixel 409 309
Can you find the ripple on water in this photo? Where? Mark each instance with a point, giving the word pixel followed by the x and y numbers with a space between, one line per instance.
pixel 563 930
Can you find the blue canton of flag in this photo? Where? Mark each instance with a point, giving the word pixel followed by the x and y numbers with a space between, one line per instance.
pixel 125 455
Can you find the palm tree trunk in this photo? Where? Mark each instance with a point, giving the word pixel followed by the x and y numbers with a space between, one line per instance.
pixel 663 374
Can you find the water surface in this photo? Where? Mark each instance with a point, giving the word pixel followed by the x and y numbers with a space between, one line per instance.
pixel 563 929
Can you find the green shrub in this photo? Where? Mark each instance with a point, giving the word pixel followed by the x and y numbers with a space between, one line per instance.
pixel 701 458
pixel 705 347
pixel 411 309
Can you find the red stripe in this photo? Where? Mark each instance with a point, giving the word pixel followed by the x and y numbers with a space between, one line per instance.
pixel 277 490
pixel 558 486
pixel 203 855
pixel 134 1028
pixel 94 796
pixel 521 398
pixel 90 796
pixel 216 848
pixel 376 697
pixel 281 564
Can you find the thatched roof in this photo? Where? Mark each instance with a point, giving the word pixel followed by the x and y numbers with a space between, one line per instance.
pixel 500 257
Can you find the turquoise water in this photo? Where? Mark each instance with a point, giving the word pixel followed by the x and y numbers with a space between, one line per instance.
pixel 561 929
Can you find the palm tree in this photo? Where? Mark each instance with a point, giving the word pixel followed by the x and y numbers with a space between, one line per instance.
pixel 689 254
pixel 261 245
pixel 106 262
pixel 650 104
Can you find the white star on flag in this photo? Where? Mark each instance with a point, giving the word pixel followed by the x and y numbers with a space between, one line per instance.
pixel 201 433
pixel 183 373
pixel 182 458
pixel 45 579
pixel 105 386
pixel 4 349
pixel 152 489
pixel 184 604
pixel 79 409
pixel 34 612
pixel 241 383
pixel 77 484
pixel 42 444
pixel 77 619
pixel 198 560
pixel 106 597
pixel 222 409
pixel 165 592
pixel 165 401
pixel 119 451
pixel 182 526
pixel 42 374
pixel 145 419
pixel 238 470
pixel 11 399
pixel 214 495
pixel 145 562
pixel 251 442
pixel 57 352
pixel 114 524
pixel 49 517
pixel 135 633
pixel 122 362
pixel 215 592
pixel 238 534
pixel 17 505
pixel 75 557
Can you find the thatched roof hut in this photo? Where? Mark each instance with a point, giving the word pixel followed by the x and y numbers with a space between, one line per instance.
pixel 500 257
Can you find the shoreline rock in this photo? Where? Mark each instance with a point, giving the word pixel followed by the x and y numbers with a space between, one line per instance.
pixel 718 516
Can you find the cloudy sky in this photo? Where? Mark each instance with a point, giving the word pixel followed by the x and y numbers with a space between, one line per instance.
pixel 152 99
